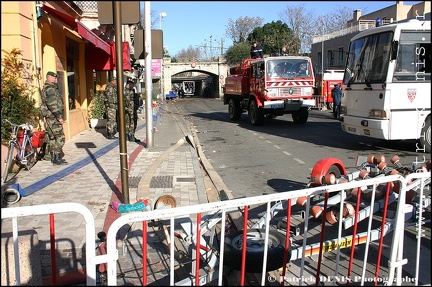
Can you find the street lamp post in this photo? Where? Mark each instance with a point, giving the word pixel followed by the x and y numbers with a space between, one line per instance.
pixel 161 15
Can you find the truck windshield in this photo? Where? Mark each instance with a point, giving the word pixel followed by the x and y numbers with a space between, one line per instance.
pixel 368 59
pixel 288 68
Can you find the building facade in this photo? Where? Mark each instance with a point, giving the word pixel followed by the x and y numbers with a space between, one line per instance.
pixel 64 37
pixel 328 51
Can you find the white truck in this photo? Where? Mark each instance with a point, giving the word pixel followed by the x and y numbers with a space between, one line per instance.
pixel 188 88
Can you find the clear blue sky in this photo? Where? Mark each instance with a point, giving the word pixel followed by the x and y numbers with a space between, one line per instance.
pixel 190 23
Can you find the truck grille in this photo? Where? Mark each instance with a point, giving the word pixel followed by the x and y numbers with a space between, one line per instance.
pixel 293 91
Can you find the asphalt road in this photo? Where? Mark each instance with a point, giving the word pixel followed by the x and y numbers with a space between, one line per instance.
pixel 279 155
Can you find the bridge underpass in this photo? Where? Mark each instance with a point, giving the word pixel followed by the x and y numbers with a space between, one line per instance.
pixel 213 72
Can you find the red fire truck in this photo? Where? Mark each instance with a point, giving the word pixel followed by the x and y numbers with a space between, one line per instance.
pixel 270 87
pixel 325 84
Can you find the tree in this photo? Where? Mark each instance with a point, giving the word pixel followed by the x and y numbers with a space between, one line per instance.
pixel 154 16
pixel 237 53
pixel 239 29
pixel 190 54
pixel 272 36
pixel 302 23
pixel 17 103
pixel 316 24
pixel 338 18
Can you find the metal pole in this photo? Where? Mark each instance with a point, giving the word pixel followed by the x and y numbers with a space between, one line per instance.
pixel 121 122
pixel 148 75
pixel 211 48
pixel 322 51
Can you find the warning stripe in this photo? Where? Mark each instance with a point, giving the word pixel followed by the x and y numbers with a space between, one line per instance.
pixel 291 83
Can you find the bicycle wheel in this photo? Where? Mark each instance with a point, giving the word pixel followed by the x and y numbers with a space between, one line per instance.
pixel 30 155
pixel 8 161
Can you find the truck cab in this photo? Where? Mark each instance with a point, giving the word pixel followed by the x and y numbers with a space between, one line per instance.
pixel 270 87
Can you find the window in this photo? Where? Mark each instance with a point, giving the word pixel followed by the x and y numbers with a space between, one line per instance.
pixel 341 57
pixel 72 52
pixel 329 58
pixel 369 58
pixel 414 57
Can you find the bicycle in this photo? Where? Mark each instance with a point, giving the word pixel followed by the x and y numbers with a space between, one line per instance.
pixel 25 147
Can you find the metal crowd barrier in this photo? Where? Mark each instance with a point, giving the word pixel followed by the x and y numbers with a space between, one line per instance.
pixel 196 226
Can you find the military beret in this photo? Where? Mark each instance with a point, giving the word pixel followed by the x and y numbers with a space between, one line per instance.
pixel 51 74
pixel 113 78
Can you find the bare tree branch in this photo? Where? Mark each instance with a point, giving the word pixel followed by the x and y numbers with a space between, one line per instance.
pixel 303 24
pixel 239 29
pixel 189 54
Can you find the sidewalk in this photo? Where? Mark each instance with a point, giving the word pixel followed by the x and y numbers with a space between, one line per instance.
pixel 92 178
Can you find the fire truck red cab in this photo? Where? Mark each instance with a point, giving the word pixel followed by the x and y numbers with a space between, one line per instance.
pixel 324 84
pixel 270 87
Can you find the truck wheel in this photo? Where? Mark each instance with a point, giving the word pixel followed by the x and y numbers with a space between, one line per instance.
pixel 256 116
pixel 425 136
pixel 255 250
pixel 301 116
pixel 330 106
pixel 234 110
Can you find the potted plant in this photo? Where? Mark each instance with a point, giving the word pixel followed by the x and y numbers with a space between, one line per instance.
pixel 97 105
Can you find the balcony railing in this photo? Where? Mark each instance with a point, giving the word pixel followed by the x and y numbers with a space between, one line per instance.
pixel 87 6
pixel 360 26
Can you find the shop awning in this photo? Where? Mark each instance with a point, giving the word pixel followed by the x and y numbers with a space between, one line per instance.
pixel 101 62
pixel 82 30
pixel 93 38
pixel 100 55
pixel 65 18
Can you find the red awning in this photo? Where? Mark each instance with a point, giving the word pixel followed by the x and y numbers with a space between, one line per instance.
pixel 101 62
pixel 100 55
pixel 93 38
pixel 81 29
pixel 126 56
pixel 65 18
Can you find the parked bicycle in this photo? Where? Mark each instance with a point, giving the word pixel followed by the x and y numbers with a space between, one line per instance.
pixel 25 147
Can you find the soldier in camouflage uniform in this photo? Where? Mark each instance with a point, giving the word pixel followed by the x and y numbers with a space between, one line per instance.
pixel 136 106
pixel 128 105
pixel 52 107
pixel 132 99
pixel 111 107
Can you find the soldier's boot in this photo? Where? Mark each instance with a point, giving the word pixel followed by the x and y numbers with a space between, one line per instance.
pixel 56 159
pixel 52 157
pixel 61 159
pixel 130 137
pixel 47 153
pixel 111 136
pixel 134 139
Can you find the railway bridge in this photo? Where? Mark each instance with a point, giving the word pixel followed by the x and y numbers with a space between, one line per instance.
pixel 218 70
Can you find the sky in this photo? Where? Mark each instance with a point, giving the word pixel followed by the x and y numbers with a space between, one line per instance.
pixel 197 23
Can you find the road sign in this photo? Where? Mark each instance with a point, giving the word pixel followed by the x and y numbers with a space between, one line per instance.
pixel 130 12
pixel 156 44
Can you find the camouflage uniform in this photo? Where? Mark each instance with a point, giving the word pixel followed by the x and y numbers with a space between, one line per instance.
pixel 135 103
pixel 52 108
pixel 128 105
pixel 111 109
